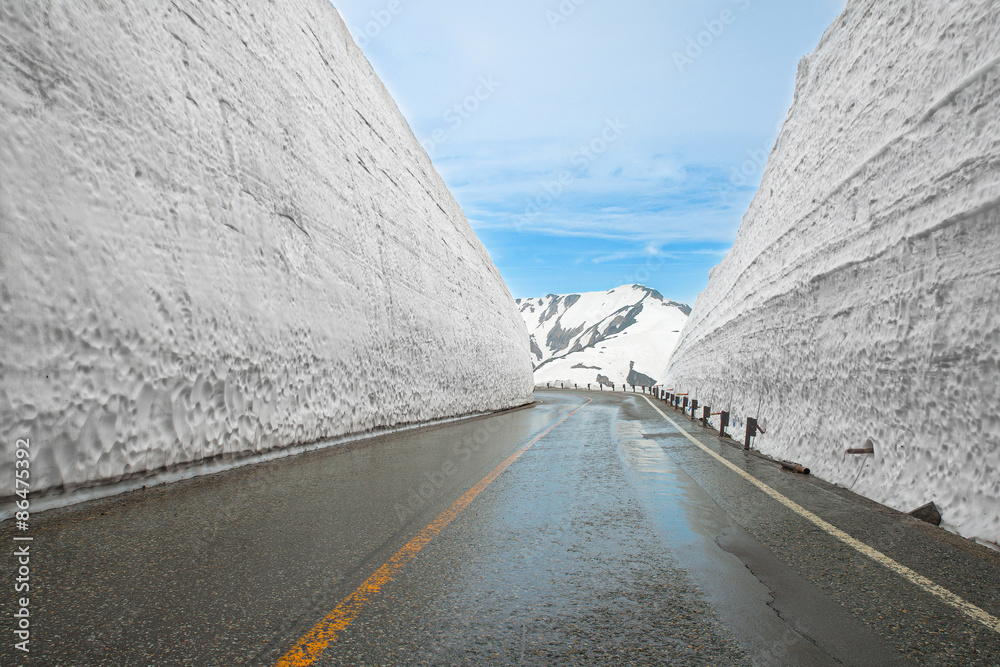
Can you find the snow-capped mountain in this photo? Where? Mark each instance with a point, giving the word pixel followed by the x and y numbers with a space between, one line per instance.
pixel 625 334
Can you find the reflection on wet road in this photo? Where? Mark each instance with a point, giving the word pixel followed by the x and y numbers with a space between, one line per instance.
pixel 570 532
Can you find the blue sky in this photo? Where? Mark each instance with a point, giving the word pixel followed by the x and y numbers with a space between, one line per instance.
pixel 594 143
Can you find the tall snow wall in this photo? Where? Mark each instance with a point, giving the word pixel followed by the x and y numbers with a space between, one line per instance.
pixel 218 236
pixel 861 299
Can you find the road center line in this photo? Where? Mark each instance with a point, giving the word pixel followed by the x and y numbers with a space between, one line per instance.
pixel 311 646
pixel 967 608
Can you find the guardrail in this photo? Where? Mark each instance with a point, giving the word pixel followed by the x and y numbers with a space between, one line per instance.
pixel 635 388
pixel 689 407
pixel 680 402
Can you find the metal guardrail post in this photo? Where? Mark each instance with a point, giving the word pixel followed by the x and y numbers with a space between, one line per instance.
pixel 751 432
pixel 723 423
pixel 705 412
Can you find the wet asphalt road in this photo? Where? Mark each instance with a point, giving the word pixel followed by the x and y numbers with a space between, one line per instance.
pixel 613 540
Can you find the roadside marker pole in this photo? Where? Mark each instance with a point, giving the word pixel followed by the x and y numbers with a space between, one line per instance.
pixel 751 432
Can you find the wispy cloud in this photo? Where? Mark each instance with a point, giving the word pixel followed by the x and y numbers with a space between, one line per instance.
pixel 676 180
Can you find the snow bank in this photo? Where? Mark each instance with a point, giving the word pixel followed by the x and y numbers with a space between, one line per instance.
pixel 577 338
pixel 860 300
pixel 219 236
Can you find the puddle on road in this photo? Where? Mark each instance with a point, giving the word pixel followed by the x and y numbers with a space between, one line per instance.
pixel 656 478
pixel 691 522
pixel 668 495
pixel 675 502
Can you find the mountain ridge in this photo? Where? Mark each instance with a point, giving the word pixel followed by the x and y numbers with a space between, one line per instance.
pixel 578 337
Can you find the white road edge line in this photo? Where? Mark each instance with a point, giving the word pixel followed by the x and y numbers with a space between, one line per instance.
pixel 967 608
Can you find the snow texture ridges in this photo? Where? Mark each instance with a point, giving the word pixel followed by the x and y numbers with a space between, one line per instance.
pixel 860 300
pixel 219 236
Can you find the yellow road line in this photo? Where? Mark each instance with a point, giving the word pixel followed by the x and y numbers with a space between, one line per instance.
pixel 967 608
pixel 309 648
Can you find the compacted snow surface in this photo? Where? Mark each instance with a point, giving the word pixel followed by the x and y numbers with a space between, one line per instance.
pixel 578 338
pixel 219 236
pixel 860 303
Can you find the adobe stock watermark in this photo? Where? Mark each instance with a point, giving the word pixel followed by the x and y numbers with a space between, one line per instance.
pixel 654 262
pixel 22 547
pixel 380 21
pixel 461 111
pixel 714 28
pixel 434 483
pixel 739 176
pixel 584 156
pixel 562 12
